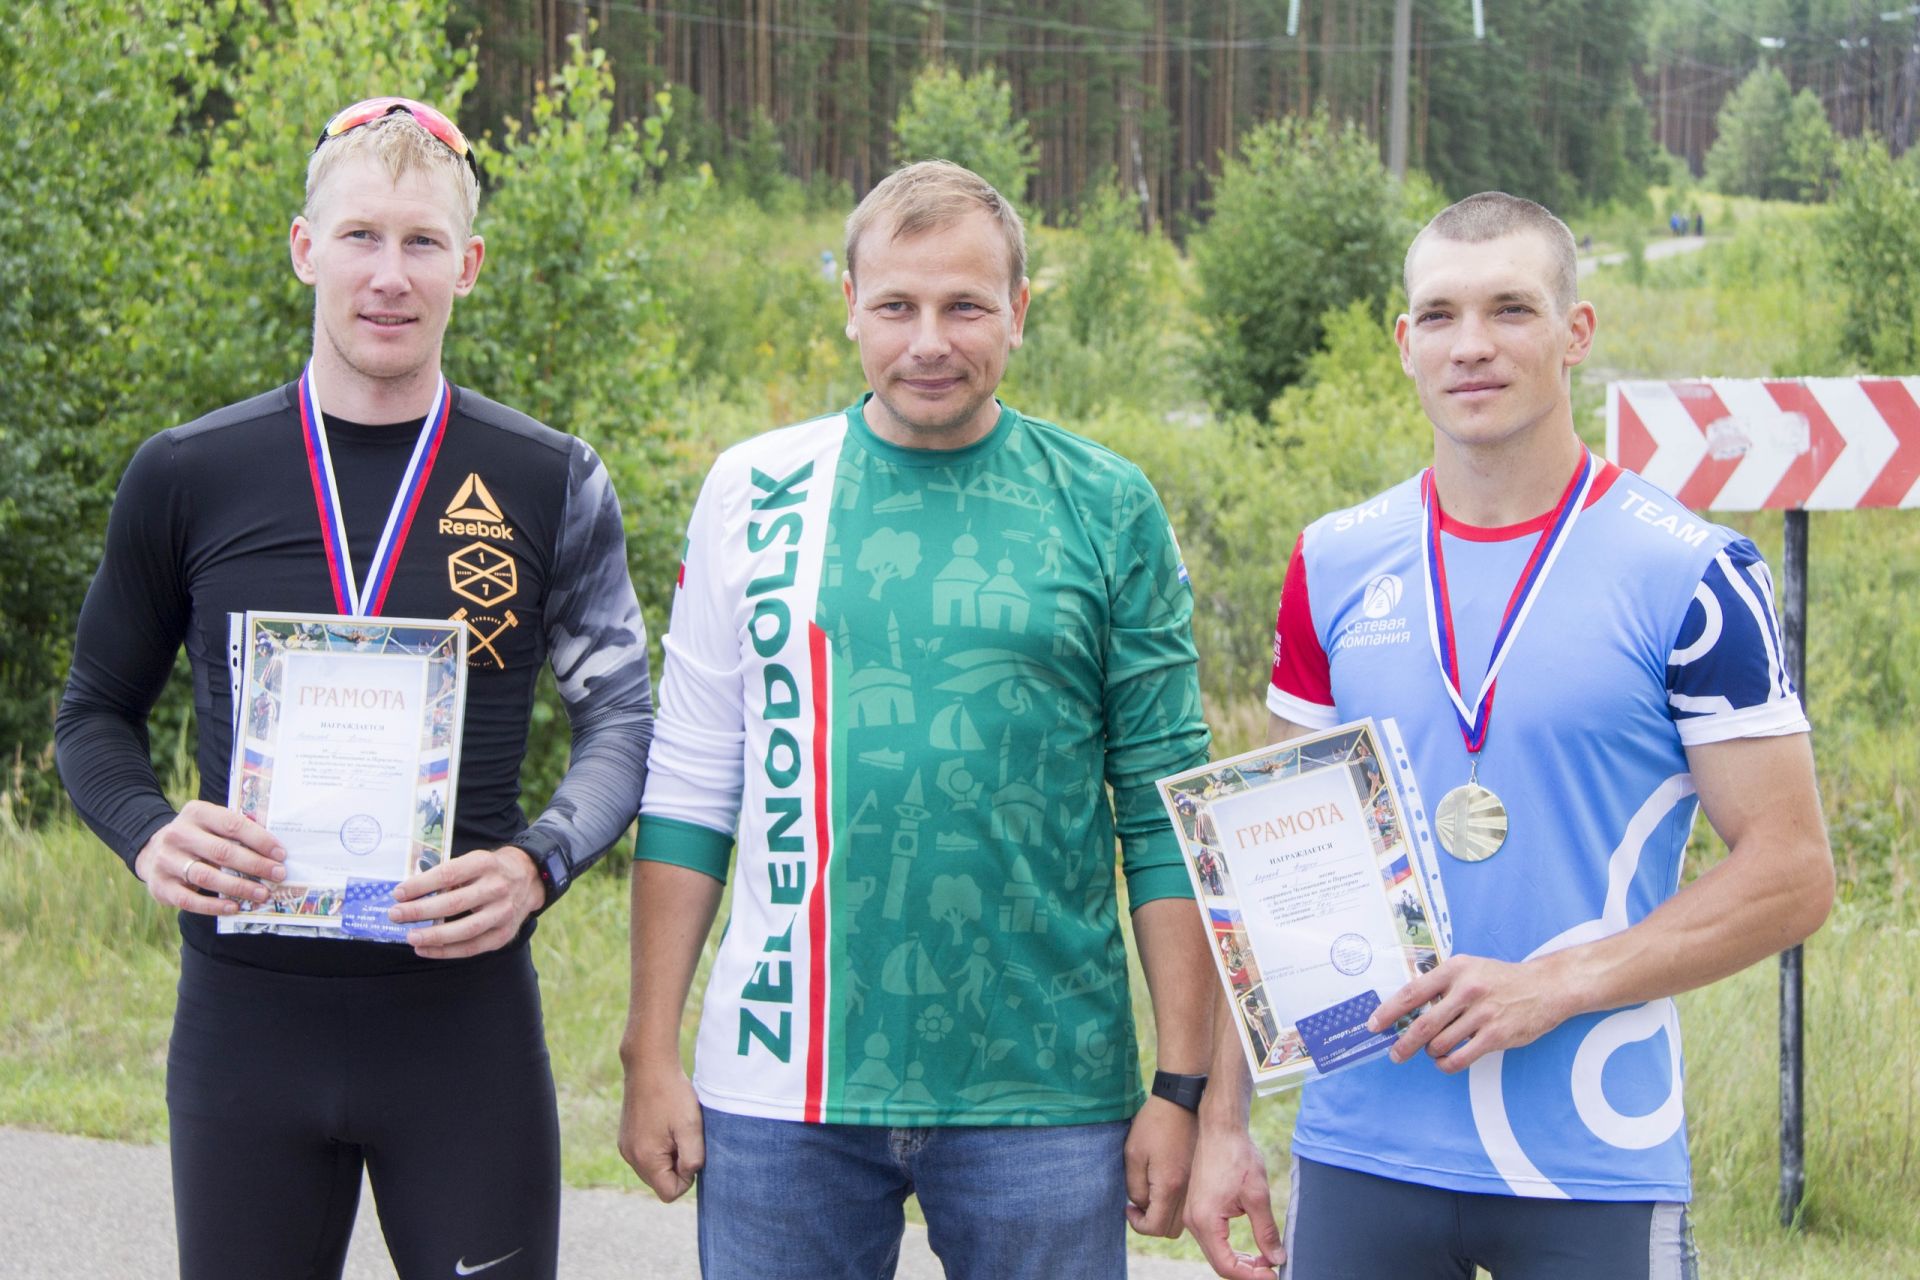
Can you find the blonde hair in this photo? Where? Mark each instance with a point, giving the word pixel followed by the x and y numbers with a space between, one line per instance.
pixel 401 144
pixel 936 193
pixel 1493 214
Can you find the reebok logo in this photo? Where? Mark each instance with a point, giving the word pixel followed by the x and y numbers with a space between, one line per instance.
pixel 474 490
pixel 461 1268
pixel 474 514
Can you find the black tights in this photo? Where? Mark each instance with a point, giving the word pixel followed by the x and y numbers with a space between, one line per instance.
pixel 281 1087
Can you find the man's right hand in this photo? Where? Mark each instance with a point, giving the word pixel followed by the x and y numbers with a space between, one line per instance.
pixel 209 847
pixel 661 1133
pixel 1230 1179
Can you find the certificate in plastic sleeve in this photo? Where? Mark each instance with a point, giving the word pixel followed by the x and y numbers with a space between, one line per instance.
pixel 347 749
pixel 1313 868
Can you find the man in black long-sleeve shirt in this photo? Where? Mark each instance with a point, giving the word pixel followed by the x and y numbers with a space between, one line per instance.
pixel 296 1061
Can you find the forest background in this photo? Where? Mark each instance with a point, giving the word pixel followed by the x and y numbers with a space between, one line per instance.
pixel 1216 258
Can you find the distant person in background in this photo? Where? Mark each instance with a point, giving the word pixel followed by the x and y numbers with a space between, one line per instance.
pixel 1530 1120
pixel 1699 223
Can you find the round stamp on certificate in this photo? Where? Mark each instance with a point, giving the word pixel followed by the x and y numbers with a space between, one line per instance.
pixel 1351 954
pixel 360 834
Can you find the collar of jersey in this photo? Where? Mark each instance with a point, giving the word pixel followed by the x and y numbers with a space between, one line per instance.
pixel 857 424
pixel 399 434
pixel 1454 528
pixel 393 434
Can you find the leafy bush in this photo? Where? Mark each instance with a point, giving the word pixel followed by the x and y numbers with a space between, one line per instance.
pixel 1809 147
pixel 568 323
pixel 1873 235
pixel 1757 301
pixel 1111 272
pixel 1671 172
pixel 755 166
pixel 1305 220
pixel 757 317
pixel 86 244
pixel 1239 490
pixel 1108 320
pixel 1771 142
pixel 968 120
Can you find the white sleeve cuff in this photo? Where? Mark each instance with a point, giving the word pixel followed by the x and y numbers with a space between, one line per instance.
pixel 1308 715
pixel 1768 720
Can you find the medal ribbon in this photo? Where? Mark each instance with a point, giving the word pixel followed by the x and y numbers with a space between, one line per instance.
pixel 1475 719
pixel 348 596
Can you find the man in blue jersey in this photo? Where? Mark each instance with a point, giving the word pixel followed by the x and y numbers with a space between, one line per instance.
pixel 1529 1121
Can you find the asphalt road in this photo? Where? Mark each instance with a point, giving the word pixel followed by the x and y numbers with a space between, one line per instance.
pixel 81 1209
pixel 1654 251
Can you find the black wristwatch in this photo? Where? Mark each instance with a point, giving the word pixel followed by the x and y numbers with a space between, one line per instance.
pixel 1181 1091
pixel 549 859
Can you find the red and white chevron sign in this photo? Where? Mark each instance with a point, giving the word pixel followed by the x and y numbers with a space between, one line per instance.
pixel 1741 444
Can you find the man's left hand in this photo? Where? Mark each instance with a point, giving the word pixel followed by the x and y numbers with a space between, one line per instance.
pixel 491 891
pixel 1159 1160
pixel 1475 1006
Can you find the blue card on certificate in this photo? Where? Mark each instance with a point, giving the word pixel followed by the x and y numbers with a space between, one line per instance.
pixel 1339 1035
pixel 365 913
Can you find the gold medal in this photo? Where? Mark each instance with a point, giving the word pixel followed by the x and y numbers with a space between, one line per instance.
pixel 1471 822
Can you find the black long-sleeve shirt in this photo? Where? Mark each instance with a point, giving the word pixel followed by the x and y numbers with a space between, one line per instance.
pixel 518 533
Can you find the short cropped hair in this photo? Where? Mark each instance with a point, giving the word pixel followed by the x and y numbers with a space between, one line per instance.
pixel 1493 214
pixel 936 193
pixel 402 144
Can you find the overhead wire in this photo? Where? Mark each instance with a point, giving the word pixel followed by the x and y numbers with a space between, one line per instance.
pixel 1117 41
pixel 1135 43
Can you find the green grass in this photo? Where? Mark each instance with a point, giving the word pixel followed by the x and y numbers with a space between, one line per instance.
pixel 1755 302
pixel 91 965
pixel 1862 1106
pixel 90 988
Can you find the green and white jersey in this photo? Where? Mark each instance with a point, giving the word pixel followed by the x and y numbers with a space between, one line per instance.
pixel 907 678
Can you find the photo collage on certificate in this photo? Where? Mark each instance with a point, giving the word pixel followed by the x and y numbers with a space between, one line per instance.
pixel 347 749
pixel 1311 837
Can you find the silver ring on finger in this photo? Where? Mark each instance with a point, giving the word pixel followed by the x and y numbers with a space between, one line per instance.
pixel 186 872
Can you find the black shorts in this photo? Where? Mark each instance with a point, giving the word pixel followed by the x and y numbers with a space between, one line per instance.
pixel 282 1087
pixel 1344 1225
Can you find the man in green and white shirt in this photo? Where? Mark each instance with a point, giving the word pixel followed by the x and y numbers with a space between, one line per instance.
pixel 913 645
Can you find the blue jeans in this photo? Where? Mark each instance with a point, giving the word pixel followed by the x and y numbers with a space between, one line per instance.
pixel 779 1198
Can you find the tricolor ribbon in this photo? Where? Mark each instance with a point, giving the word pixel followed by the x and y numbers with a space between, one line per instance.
pixel 1533 578
pixel 348 596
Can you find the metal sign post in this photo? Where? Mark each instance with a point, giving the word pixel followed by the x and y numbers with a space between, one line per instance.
pixel 1792 444
pixel 1793 1164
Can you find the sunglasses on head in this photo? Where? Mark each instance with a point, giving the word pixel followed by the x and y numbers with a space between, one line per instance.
pixel 435 123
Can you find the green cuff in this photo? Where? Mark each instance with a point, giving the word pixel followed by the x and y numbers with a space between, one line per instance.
pixel 1146 884
pixel 684 844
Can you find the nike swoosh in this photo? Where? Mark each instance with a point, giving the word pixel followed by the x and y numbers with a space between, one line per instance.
pixel 461 1268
